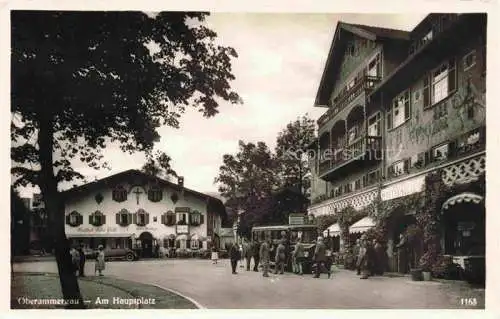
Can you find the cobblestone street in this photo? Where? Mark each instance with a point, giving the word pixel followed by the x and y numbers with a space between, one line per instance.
pixel 213 286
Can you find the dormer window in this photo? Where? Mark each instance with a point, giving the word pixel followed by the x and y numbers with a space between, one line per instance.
pixel 119 194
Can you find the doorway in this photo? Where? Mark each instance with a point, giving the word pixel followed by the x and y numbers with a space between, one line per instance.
pixel 146 239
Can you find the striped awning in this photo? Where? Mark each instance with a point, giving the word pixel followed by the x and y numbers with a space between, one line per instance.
pixel 362 225
pixel 333 230
pixel 462 198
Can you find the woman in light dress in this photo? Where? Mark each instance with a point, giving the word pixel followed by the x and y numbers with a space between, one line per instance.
pixel 100 263
pixel 215 255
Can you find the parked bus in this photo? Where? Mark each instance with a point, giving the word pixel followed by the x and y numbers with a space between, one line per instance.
pixel 290 233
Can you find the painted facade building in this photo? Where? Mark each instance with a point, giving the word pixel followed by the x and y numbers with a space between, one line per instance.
pixel 401 105
pixel 135 210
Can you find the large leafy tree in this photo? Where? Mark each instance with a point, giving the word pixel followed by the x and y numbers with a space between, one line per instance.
pixel 290 153
pixel 83 80
pixel 158 164
pixel 247 179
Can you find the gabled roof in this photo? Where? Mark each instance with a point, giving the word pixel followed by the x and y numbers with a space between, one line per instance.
pixel 136 174
pixel 337 50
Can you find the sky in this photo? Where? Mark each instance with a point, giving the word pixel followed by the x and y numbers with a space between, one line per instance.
pixel 280 63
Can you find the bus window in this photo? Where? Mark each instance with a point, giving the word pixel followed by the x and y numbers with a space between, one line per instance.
pixel 294 235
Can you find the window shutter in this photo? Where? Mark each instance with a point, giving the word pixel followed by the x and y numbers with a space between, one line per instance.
pixel 407 165
pixel 103 219
pixel 452 147
pixel 91 219
pixel 178 244
pixel 118 218
pixel 202 219
pixel 389 119
pixel 129 218
pixel 364 180
pixel 147 218
pixel 408 108
pixel 67 219
pixel 174 218
pixel 427 92
pixel 188 244
pixel 390 171
pixel 452 76
pixel 80 219
pixel 163 219
pixel 134 218
pixel 427 157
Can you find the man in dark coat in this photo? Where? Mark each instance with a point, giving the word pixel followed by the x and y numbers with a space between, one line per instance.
pixel 320 258
pixel 255 254
pixel 81 267
pixel 247 249
pixel 234 255
pixel 402 254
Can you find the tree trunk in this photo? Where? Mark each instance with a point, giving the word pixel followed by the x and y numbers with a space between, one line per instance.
pixel 54 206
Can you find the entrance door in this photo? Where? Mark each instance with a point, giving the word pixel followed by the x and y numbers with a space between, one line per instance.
pixel 147 245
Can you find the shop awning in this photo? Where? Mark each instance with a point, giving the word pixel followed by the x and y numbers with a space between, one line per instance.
pixel 362 225
pixel 104 235
pixel 462 198
pixel 333 230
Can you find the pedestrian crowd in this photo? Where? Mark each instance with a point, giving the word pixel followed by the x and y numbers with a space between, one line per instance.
pixel 261 253
pixel 78 260
pixel 370 257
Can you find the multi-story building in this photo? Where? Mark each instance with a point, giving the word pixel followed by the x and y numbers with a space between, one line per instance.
pixel 132 209
pixel 400 105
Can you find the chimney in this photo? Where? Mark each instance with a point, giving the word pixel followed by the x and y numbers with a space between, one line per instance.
pixel 180 181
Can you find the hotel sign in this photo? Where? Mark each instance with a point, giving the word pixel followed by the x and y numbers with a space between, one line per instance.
pixel 97 230
pixel 404 188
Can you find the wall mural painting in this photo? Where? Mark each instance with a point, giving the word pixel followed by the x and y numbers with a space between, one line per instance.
pixel 461 113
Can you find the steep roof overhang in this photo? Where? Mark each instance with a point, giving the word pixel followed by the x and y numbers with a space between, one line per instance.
pixel 337 50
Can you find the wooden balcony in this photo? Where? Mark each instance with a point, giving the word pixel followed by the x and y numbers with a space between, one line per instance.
pixel 365 149
pixel 346 96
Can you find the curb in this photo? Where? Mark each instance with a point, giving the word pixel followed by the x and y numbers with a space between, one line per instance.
pixel 88 279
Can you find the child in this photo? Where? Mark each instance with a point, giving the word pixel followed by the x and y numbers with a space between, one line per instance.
pixel 215 255
pixel 100 263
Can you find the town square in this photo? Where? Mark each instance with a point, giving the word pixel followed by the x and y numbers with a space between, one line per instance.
pixel 161 160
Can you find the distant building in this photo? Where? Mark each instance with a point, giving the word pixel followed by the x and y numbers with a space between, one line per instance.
pixel 136 210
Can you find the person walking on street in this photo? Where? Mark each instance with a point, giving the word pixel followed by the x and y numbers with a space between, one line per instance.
pixel 255 253
pixel 75 260
pixel 81 266
pixel 280 258
pixel 247 248
pixel 242 254
pixel 379 258
pixel 298 257
pixel 264 257
pixel 356 252
pixel 215 255
pixel 234 255
pixel 100 263
pixel 320 258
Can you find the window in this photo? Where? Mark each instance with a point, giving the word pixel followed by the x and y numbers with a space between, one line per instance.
pixel 357 184
pixel 440 153
pixel 441 111
pixel 353 134
pixel 427 37
pixel 195 244
pixel 123 218
pixel 155 194
pixel 374 67
pixel 374 125
pixel 168 218
pixel 97 219
pixel 142 218
pixel 400 111
pixel 119 194
pixel 440 83
pixel 182 219
pixel 372 177
pixel 469 60
pixel 74 219
pixel 347 188
pixel 418 160
pixel 399 168
pixel 196 218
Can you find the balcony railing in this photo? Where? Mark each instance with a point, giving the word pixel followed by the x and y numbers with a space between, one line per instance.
pixel 346 96
pixel 363 148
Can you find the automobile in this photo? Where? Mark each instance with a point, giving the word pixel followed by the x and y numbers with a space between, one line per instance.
pixel 113 254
